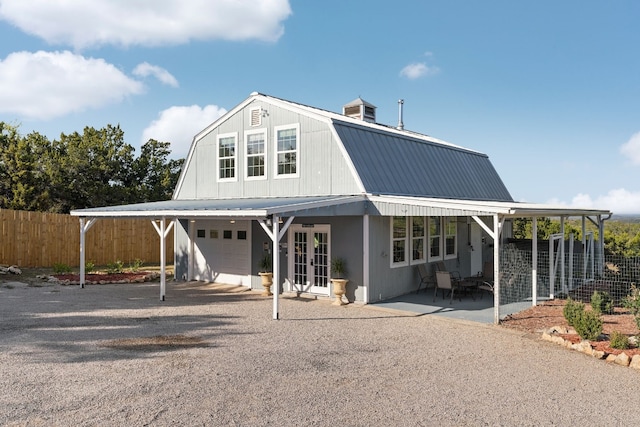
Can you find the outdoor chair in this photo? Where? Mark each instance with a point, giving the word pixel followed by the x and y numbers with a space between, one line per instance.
pixel 485 286
pixel 485 281
pixel 425 278
pixel 454 274
pixel 444 282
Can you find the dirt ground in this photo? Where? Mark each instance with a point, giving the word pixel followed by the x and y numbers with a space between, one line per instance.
pixel 113 355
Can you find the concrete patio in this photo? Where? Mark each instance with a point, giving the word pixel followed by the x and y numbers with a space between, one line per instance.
pixel 479 309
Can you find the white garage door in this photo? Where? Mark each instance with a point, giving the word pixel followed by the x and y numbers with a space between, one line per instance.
pixel 223 251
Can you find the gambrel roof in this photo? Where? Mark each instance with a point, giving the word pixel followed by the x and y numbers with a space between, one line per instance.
pixel 389 161
pixel 396 172
pixel 401 163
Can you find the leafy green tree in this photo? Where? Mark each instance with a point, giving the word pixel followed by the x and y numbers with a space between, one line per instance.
pixel 22 175
pixel 154 173
pixel 91 169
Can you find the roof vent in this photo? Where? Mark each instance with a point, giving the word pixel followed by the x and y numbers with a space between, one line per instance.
pixel 361 110
pixel 400 123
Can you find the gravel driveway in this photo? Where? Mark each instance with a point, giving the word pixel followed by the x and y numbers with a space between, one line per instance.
pixel 114 355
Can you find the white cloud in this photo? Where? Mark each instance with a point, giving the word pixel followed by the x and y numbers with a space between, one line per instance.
pixel 145 69
pixel 417 70
pixel 618 201
pixel 631 149
pixel 82 23
pixel 178 125
pixel 44 85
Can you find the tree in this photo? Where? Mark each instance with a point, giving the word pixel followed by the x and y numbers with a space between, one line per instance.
pixel 156 176
pixel 22 175
pixel 91 169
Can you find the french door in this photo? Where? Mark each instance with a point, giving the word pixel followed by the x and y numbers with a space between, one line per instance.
pixel 309 258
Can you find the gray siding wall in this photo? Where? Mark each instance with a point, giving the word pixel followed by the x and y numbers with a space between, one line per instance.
pixel 346 243
pixel 386 282
pixel 323 170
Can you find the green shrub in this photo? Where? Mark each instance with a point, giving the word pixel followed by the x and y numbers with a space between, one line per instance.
pixel 601 302
pixel 89 266
pixel 61 268
pixel 618 340
pixel 136 265
pixel 588 325
pixel 572 310
pixel 115 267
pixel 632 302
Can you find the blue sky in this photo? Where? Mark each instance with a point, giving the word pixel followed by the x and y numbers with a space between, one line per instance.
pixel 550 90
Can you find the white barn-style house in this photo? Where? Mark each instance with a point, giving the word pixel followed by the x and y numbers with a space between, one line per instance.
pixel 305 186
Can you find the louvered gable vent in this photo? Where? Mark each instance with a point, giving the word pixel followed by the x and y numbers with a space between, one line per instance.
pixel 256 116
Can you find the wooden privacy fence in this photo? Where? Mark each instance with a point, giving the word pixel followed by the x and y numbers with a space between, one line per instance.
pixel 38 239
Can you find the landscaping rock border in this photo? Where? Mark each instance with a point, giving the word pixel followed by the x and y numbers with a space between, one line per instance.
pixel 554 335
pixel 102 279
pixel 13 269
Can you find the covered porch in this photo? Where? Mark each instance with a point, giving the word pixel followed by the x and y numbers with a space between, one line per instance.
pixel 275 215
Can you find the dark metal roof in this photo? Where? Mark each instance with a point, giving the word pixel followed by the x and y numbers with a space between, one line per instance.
pixel 399 163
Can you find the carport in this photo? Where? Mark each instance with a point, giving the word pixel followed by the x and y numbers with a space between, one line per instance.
pixel 274 215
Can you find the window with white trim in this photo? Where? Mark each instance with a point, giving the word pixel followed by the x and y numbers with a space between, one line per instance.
pixel 435 238
pixel 227 157
pixel 287 147
pixel 418 236
pixel 255 154
pixel 414 240
pixel 450 237
pixel 399 241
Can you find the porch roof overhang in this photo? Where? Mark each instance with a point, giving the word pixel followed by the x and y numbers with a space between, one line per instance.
pixel 423 206
pixel 349 205
pixel 249 208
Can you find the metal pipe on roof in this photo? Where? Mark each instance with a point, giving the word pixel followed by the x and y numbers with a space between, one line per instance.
pixel 400 124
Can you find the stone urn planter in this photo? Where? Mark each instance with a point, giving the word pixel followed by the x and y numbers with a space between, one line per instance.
pixel 338 267
pixel 267 281
pixel 339 289
pixel 266 274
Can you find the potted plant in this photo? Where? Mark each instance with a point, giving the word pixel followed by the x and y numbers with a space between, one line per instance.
pixel 339 268
pixel 264 267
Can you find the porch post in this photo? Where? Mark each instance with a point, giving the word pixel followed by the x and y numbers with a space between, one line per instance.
pixel 601 244
pixel 534 261
pixel 276 265
pixel 496 271
pixel 84 227
pixel 562 258
pixel 163 261
pixel 584 250
pixel 162 231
